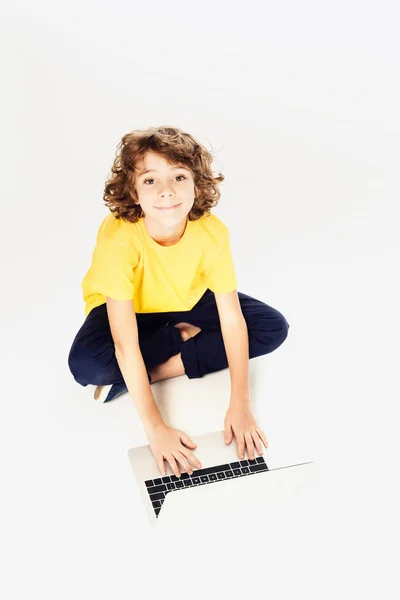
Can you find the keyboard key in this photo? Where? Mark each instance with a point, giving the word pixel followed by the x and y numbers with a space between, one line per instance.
pixel 245 470
pixel 235 465
pixel 149 483
pixel 204 478
pixel 166 479
pixel 221 476
pixel 255 468
pixel 208 470
pixel 237 471
pixel 157 488
pixel 157 482
pixel 179 484
pixel 260 459
pixel 196 480
pixel 229 473
pixel 188 482
pixel 171 486
pixel 157 496
pixel 244 463
pixel 213 477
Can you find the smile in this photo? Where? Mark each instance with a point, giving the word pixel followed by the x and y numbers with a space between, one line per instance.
pixel 168 208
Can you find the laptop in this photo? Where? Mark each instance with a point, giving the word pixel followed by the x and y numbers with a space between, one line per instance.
pixel 224 483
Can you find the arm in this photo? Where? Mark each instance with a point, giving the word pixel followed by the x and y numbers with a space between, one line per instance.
pixel 239 420
pixel 236 341
pixel 123 324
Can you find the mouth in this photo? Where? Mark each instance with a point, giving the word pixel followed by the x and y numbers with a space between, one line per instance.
pixel 168 207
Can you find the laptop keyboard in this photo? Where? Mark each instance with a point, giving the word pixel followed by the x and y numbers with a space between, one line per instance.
pixel 159 488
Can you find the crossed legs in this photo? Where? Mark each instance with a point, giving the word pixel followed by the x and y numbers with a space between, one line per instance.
pixel 173 367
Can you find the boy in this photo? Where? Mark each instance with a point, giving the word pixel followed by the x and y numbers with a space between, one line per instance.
pixel 161 297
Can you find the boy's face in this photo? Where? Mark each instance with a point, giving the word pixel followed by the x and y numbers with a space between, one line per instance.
pixel 165 186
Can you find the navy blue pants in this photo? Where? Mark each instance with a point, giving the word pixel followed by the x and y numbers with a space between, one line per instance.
pixel 92 356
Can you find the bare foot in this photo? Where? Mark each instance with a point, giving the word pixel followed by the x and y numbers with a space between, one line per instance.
pixel 187 330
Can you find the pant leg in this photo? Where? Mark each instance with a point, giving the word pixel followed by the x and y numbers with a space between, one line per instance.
pixel 205 352
pixel 92 358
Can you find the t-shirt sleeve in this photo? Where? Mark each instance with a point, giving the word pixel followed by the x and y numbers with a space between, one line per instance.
pixel 112 269
pixel 220 276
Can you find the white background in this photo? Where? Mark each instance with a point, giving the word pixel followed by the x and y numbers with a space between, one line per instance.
pixel 299 103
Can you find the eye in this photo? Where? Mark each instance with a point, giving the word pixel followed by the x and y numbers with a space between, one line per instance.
pixel 151 179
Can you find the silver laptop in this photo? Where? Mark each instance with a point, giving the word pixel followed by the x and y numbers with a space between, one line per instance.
pixel 223 481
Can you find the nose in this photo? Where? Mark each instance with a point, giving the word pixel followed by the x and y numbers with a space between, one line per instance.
pixel 166 192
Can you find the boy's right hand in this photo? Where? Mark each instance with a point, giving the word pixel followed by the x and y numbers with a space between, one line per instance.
pixel 166 442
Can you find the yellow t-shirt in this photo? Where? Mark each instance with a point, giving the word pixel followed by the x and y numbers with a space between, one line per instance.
pixel 128 263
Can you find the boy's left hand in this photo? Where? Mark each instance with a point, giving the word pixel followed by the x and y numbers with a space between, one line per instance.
pixel 241 420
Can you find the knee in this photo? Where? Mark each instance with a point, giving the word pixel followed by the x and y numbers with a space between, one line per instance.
pixel 283 327
pixel 270 332
pixel 76 364
pixel 83 366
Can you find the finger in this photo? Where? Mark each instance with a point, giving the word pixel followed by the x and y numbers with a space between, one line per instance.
pixel 262 436
pixel 250 445
pixel 161 466
pixel 228 434
pixel 182 459
pixel 174 466
pixel 186 440
pixel 257 442
pixel 240 445
pixel 192 458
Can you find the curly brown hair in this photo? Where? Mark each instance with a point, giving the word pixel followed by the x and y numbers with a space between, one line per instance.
pixel 178 148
